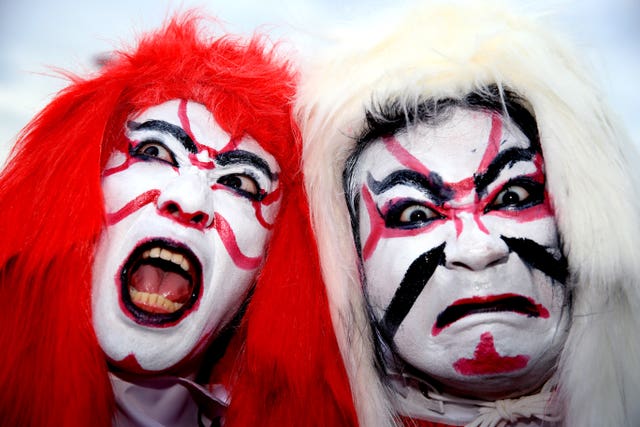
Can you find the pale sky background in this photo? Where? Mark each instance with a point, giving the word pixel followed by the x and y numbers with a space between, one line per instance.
pixel 68 34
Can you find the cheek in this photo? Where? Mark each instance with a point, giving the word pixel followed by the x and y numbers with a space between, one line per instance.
pixel 542 230
pixel 391 259
pixel 123 187
pixel 243 226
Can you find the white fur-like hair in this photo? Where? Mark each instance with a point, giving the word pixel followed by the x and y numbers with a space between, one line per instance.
pixel 447 50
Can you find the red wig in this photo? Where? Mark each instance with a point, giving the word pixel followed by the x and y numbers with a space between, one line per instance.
pixel 286 370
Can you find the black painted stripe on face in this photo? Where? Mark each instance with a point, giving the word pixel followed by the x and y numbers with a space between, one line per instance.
pixel 536 256
pixel 432 186
pixel 504 159
pixel 413 282
pixel 165 127
pixel 247 158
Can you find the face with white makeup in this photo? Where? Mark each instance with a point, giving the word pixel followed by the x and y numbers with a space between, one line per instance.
pixel 189 212
pixel 461 257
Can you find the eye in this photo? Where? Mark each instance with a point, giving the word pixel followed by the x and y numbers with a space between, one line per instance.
pixel 518 195
pixel 409 214
pixel 241 183
pixel 154 150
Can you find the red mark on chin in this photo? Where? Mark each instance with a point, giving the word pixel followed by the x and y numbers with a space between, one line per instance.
pixel 130 364
pixel 139 202
pixel 231 244
pixel 486 360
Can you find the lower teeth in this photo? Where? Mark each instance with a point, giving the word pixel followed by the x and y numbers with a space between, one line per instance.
pixel 154 300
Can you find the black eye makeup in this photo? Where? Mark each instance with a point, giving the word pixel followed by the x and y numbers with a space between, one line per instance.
pixel 243 184
pixel 153 150
pixel 409 214
pixel 517 194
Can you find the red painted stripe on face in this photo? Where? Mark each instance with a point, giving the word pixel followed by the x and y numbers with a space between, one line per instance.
pixel 186 126
pixel 208 165
pixel 145 198
pixel 462 188
pixel 125 165
pixel 404 157
pixel 479 223
pixel 184 120
pixel 376 224
pixel 379 229
pixel 232 144
pixel 271 198
pixel 493 145
pixel 230 243
pixel 257 207
pixel 486 360
pixel 533 213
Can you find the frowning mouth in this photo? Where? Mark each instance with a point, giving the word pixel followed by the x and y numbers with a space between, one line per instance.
pixel 488 304
pixel 161 282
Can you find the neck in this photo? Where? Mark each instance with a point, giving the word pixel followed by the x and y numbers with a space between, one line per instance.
pixel 417 399
pixel 162 400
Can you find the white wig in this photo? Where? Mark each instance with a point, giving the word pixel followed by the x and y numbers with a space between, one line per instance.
pixel 448 50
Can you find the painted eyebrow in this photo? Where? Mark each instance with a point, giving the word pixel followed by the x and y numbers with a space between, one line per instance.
pixel 244 157
pixel 165 127
pixel 432 185
pixel 503 160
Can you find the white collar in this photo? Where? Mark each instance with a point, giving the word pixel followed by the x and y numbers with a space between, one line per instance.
pixel 431 405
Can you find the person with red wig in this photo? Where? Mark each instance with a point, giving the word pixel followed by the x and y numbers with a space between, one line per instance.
pixel 155 230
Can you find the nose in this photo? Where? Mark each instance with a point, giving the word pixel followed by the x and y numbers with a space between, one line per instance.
pixel 475 248
pixel 187 200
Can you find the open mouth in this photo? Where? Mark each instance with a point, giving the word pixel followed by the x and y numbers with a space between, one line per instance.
pixel 488 304
pixel 160 282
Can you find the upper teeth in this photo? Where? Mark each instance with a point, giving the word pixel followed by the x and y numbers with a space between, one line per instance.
pixel 168 255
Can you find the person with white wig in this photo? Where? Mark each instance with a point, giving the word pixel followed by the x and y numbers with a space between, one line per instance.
pixel 477 215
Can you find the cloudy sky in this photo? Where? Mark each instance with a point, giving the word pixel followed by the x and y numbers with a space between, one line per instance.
pixel 36 35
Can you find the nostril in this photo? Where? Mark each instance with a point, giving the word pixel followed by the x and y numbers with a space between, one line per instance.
pixel 197 219
pixel 172 209
pixel 497 262
pixel 460 264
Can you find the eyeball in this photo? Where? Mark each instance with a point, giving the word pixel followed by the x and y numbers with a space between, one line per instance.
pixel 409 214
pixel 243 184
pixel 154 150
pixel 415 214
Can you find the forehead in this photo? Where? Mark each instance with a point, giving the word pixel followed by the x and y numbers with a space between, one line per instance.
pixel 199 123
pixel 454 147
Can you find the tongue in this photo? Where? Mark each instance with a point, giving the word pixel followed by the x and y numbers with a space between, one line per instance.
pixel 155 280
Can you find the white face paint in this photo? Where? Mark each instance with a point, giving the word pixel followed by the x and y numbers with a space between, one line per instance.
pixel 189 213
pixel 482 313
